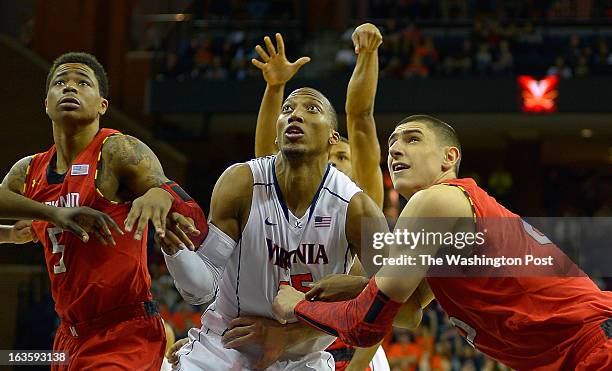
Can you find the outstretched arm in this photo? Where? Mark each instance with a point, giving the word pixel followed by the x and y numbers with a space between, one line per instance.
pixel 361 93
pixel 276 70
pixel 13 205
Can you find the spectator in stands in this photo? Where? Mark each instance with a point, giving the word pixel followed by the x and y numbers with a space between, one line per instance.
pixel 405 353
pixel 603 58
pixel 416 68
pixel 560 69
pixel 483 59
pixel 582 68
pixel 461 61
pixel 505 61
pixel 574 51
pixel 428 53
pixel 217 71
pixel 530 35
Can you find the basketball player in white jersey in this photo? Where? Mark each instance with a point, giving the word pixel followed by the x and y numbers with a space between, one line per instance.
pixel 359 158
pixel 285 219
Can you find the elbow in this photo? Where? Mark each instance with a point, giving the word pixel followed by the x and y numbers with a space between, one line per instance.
pixel 409 322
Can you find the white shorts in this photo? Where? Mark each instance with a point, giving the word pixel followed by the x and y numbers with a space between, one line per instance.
pixel 379 362
pixel 204 351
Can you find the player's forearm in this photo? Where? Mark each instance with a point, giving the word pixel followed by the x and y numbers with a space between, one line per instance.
pixel 362 357
pixel 192 274
pixel 199 272
pixel 183 204
pixel 14 206
pixel 361 322
pixel 361 90
pixel 298 333
pixel 410 315
pixel 265 131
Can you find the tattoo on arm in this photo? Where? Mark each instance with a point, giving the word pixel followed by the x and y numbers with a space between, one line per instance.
pixel 16 177
pixel 133 164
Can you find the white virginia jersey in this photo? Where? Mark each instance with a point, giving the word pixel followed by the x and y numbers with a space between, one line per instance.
pixel 278 248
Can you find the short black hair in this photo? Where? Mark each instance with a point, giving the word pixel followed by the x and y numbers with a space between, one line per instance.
pixel 86 59
pixel 445 133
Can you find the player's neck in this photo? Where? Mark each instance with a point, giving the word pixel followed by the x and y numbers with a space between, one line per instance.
pixel 70 141
pixel 299 181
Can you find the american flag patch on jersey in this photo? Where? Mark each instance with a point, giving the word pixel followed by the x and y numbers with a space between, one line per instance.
pixel 80 169
pixel 322 221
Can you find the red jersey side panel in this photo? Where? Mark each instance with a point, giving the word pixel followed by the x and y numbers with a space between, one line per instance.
pixel 87 279
pixel 524 322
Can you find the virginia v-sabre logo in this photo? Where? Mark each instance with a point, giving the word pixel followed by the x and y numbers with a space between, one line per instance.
pixel 306 253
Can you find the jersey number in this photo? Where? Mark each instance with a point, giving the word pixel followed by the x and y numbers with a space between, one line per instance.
pixel 470 332
pixel 57 249
pixel 298 281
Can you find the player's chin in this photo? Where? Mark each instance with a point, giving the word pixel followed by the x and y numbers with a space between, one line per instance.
pixel 293 149
pixel 404 186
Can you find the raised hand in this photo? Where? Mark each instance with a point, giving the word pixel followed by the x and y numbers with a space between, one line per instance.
pixel 366 38
pixel 276 69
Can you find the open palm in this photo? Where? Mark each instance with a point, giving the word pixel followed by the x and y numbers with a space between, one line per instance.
pixel 276 69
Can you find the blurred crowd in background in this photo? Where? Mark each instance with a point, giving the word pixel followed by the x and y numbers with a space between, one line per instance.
pixel 422 38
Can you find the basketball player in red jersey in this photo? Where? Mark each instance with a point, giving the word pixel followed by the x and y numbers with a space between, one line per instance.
pixel 102 294
pixel 534 323
pixel 76 220
pixel 358 157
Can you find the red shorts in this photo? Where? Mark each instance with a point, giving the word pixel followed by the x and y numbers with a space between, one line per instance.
pixel 135 344
pixel 599 359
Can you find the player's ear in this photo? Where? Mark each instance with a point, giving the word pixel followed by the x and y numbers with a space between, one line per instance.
pixel 451 157
pixel 46 106
pixel 103 106
pixel 334 137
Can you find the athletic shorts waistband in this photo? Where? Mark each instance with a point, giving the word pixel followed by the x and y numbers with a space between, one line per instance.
pixel 121 314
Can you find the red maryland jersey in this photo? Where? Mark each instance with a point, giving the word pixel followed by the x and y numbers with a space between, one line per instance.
pixel 545 323
pixel 87 279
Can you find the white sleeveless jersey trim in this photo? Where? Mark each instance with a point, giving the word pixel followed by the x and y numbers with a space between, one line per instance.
pixel 277 247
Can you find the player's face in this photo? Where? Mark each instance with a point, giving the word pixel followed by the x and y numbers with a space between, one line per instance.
pixel 415 158
pixel 304 125
pixel 340 157
pixel 73 95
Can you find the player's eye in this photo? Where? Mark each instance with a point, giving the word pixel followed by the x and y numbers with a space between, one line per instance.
pixel 84 82
pixel 286 108
pixel 413 139
pixel 314 109
pixel 343 158
pixel 59 82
